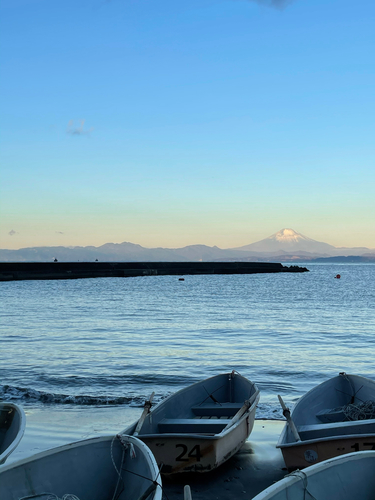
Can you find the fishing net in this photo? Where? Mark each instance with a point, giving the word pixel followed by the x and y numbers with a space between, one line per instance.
pixel 360 411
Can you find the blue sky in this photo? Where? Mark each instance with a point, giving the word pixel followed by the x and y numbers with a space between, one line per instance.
pixel 171 122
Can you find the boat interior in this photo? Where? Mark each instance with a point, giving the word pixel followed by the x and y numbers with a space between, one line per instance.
pixel 206 407
pixel 345 478
pixel 343 405
pixel 98 469
pixel 9 426
pixel 312 431
pixel 205 418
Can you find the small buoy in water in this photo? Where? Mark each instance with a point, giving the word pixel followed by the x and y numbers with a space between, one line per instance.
pixel 338 276
pixel 181 279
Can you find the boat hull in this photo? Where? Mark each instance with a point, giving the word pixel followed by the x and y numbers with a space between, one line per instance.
pixel 329 422
pixel 200 427
pixel 197 453
pixel 341 478
pixel 302 455
pixel 92 469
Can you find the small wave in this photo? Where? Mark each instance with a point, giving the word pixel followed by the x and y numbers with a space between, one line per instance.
pixel 25 394
pixel 269 411
pixel 104 381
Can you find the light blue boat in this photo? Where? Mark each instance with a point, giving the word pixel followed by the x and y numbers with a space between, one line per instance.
pixel 334 418
pixel 200 427
pixel 101 468
pixel 346 477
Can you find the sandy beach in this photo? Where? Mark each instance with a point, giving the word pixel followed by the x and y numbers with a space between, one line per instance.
pixel 256 466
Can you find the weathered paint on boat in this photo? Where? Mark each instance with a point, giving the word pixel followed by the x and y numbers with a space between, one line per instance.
pixel 323 429
pixel 200 427
pixel 93 469
pixel 12 428
pixel 340 478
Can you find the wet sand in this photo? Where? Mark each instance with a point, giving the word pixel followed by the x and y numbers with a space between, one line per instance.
pixel 255 467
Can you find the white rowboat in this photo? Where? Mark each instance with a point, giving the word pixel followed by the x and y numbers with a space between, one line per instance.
pixel 340 478
pixel 335 418
pixel 101 468
pixel 199 427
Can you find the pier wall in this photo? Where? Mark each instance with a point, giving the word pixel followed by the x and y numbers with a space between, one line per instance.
pixel 10 271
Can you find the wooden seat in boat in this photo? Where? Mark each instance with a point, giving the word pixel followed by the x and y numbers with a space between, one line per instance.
pixel 217 409
pixel 352 427
pixel 192 425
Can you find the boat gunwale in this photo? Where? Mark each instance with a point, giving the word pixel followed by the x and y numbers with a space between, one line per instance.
pixel 206 436
pixel 190 388
pixel 326 382
pixel 201 382
pixel 19 435
pixel 341 437
pixel 283 444
pixel 85 442
pixel 290 479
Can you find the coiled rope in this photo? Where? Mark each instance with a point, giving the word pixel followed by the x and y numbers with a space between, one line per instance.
pixel 360 411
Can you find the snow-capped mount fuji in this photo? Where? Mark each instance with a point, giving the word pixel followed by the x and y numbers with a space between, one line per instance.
pixel 288 240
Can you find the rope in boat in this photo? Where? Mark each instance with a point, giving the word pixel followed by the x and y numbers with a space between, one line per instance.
pixel 114 465
pixel 211 395
pixel 154 483
pixel 301 475
pixel 359 411
pixel 350 382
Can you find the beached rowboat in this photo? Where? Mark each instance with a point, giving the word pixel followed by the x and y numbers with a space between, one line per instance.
pixel 340 478
pixel 101 468
pixel 199 427
pixel 12 428
pixel 334 418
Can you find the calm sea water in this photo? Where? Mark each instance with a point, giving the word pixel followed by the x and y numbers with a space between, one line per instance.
pixel 114 341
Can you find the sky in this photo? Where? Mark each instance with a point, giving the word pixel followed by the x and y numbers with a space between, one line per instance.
pixel 176 122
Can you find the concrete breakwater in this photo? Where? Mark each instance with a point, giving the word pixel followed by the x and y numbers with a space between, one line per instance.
pixel 10 271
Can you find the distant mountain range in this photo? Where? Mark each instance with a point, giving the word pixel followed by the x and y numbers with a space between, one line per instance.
pixel 284 246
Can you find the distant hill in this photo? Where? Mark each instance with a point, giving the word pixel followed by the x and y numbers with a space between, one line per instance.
pixel 284 246
pixel 352 259
pixel 117 252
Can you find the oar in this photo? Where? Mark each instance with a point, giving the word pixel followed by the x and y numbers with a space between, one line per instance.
pixel 286 413
pixel 239 414
pixel 247 404
pixel 146 410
